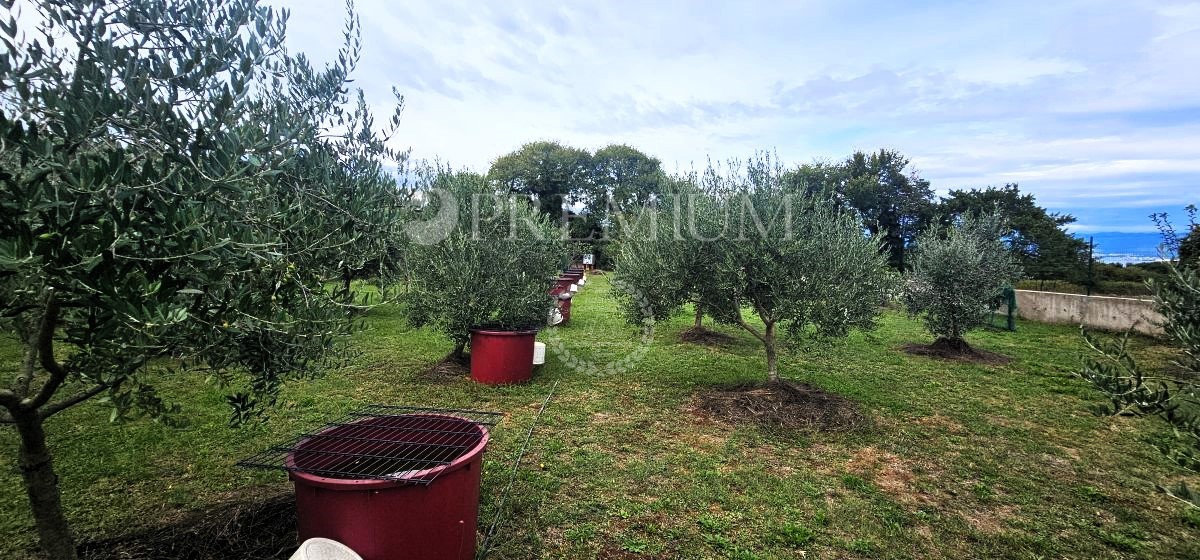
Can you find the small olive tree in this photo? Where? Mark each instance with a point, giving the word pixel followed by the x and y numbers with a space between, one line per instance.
pixel 956 274
pixel 487 261
pixel 795 260
pixel 176 188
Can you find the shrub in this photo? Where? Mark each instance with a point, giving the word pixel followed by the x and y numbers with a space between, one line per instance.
pixel 956 274
pixel 1189 248
pixel 488 266
pixel 672 247
pixel 1103 288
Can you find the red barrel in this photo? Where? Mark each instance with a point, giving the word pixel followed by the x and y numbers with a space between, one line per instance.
pixel 394 519
pixel 562 285
pixel 501 357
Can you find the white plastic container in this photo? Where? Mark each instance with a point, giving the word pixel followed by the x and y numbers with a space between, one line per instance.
pixel 539 353
pixel 324 549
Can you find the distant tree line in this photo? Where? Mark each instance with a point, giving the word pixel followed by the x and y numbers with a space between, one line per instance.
pixel 589 193
pixel 585 192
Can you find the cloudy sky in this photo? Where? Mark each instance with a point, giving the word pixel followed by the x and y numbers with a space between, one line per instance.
pixel 1092 106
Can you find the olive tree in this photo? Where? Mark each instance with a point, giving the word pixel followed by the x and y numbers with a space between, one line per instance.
pixel 670 246
pixel 956 274
pixel 1170 394
pixel 488 260
pixel 800 263
pixel 176 189
pixel 1185 246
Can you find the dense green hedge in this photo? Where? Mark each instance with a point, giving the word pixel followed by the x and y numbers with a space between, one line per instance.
pixel 1106 288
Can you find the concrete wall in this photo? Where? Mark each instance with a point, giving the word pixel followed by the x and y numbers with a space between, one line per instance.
pixel 1097 312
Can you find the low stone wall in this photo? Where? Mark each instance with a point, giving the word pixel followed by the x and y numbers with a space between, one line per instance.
pixel 1097 312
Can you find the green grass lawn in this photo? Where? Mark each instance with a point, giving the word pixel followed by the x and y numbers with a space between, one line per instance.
pixel 960 461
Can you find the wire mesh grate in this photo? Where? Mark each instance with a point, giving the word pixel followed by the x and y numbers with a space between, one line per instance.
pixel 410 445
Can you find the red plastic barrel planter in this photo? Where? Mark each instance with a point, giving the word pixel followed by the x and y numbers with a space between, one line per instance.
pixel 393 519
pixel 562 285
pixel 501 357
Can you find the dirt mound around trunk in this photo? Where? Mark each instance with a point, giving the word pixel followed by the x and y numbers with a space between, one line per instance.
pixel 958 351
pixel 787 405
pixel 448 367
pixel 705 337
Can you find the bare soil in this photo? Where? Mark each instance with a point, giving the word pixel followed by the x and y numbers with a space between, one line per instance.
pixel 264 527
pixel 705 337
pixel 449 367
pixel 958 351
pixel 786 404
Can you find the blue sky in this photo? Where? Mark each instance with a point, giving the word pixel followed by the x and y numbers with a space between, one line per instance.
pixel 1092 106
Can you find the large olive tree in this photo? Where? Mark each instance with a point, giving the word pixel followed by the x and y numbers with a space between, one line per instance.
pixel 177 190
pixel 797 261
pixel 956 274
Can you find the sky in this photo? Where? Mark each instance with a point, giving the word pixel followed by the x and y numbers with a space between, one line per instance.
pixel 1092 106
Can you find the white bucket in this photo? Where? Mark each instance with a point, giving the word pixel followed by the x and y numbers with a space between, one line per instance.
pixel 539 353
pixel 324 549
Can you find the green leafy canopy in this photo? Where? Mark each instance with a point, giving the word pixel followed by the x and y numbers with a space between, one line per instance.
pixel 956 273
pixel 491 266
pixel 742 239
pixel 1170 394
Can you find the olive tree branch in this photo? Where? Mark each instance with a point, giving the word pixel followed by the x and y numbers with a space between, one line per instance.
pixel 45 349
pixel 25 376
pixel 10 401
pixel 737 313
pixel 56 407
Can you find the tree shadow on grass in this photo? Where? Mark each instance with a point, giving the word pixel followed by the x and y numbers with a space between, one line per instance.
pixel 449 368
pixel 263 527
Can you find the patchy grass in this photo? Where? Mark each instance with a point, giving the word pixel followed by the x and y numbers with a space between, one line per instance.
pixel 960 460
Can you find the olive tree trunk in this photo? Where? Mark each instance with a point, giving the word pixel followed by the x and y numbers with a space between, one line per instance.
pixel 41 484
pixel 699 316
pixel 772 356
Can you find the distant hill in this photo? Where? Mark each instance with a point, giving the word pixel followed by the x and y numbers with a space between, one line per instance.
pixel 1120 247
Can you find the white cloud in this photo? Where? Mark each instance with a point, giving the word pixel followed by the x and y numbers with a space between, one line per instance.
pixel 1069 98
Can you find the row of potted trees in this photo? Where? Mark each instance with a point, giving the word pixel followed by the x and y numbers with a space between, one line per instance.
pixel 505 357
pixel 491 280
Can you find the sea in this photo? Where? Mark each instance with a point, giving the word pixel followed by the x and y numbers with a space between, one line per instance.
pixel 1124 247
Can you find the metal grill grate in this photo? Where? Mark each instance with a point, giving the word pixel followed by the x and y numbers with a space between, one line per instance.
pixel 400 443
